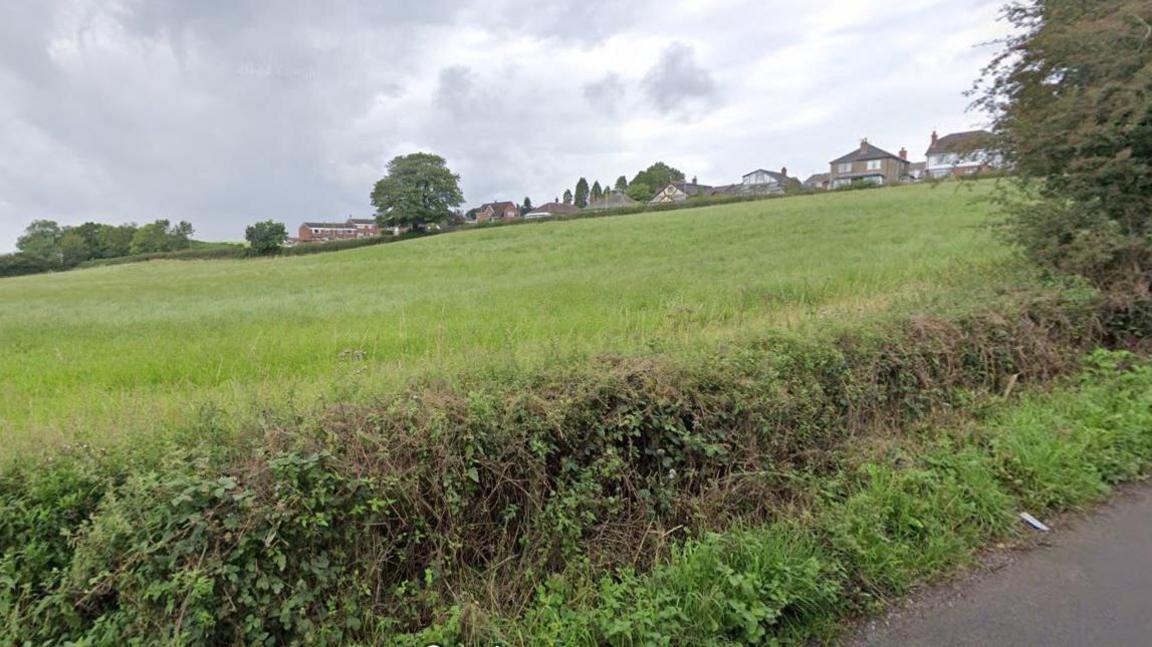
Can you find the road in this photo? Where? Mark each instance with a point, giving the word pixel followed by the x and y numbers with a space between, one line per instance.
pixel 1090 585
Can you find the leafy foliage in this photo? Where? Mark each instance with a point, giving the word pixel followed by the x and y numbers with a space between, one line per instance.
pixel 266 237
pixel 418 190
pixel 644 186
pixel 1072 100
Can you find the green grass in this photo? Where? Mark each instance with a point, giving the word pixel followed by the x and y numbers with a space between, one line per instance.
pixel 886 522
pixel 112 351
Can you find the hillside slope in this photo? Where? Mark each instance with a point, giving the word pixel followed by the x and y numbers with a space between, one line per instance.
pixel 137 346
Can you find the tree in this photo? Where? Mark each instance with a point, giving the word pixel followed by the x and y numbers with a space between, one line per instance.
pixel 115 241
pixel 151 238
pixel 74 249
pixel 417 190
pixel 41 239
pixel 526 206
pixel 597 192
pixel 180 236
pixel 621 184
pixel 1072 116
pixel 640 192
pixel 581 197
pixel 654 178
pixel 266 237
pixel 567 196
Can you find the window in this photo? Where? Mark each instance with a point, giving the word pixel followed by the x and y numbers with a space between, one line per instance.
pixel 846 167
pixel 873 165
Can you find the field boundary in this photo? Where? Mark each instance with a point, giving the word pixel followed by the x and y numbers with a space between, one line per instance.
pixel 457 502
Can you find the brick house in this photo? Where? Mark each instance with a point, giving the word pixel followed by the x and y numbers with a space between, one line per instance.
pixel 497 211
pixel 869 164
pixel 349 229
pixel 960 154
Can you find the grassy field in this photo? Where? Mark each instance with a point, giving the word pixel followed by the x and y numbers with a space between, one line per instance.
pixel 106 351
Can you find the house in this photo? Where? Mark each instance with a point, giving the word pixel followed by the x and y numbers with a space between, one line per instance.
pixel 869 164
pixel 351 228
pixel 818 182
pixel 497 211
pixel 762 182
pixel 681 191
pixel 960 154
pixel 612 199
pixel 551 210
pixel 916 170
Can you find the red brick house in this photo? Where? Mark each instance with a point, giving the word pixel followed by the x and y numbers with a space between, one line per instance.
pixel 351 228
pixel 497 211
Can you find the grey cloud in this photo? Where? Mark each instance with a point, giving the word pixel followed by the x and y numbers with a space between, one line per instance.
pixel 676 82
pixel 607 94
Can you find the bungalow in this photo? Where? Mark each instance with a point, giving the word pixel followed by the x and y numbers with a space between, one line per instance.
pixel 681 191
pixel 960 154
pixel 551 210
pixel 869 164
pixel 497 211
pixel 351 228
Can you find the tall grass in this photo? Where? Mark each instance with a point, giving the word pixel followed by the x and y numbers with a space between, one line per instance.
pixel 115 350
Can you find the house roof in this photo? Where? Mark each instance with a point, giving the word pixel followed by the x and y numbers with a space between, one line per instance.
pixel 917 166
pixel 964 142
pixel 864 152
pixel 362 221
pixel 778 176
pixel 555 207
pixel 817 178
pixel 611 199
pixel 497 206
pixel 328 225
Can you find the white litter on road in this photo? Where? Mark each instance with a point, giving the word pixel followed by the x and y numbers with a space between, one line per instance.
pixel 1034 522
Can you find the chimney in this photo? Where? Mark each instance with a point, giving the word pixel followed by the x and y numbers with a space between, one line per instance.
pixel 694 179
pixel 864 143
pixel 904 153
pixel 784 171
pixel 934 137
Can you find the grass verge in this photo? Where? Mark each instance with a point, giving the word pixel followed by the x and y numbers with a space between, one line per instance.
pixel 925 505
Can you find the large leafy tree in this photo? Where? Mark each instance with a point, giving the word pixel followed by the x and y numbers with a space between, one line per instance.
pixel 653 179
pixel 417 190
pixel 266 237
pixel 597 191
pixel 1071 99
pixel 41 239
pixel 567 196
pixel 621 183
pixel 581 195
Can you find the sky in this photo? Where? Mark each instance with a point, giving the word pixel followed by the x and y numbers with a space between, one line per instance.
pixel 226 112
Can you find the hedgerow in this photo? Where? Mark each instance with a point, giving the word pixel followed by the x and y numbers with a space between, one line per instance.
pixel 450 505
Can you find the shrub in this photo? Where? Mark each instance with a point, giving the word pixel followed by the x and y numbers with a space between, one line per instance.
pixel 1073 117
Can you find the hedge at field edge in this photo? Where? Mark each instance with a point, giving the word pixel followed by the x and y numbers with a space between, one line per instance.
pixel 374 520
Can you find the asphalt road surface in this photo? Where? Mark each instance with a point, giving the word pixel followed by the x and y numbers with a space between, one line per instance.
pixel 1089 585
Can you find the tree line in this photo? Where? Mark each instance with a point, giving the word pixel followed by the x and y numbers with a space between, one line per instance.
pixel 47 246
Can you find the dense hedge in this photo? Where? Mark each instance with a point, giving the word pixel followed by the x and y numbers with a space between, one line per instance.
pixel 372 520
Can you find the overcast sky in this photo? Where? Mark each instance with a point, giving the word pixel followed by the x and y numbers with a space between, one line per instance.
pixel 224 112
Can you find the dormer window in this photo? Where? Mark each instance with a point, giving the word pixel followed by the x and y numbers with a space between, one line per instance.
pixel 846 167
